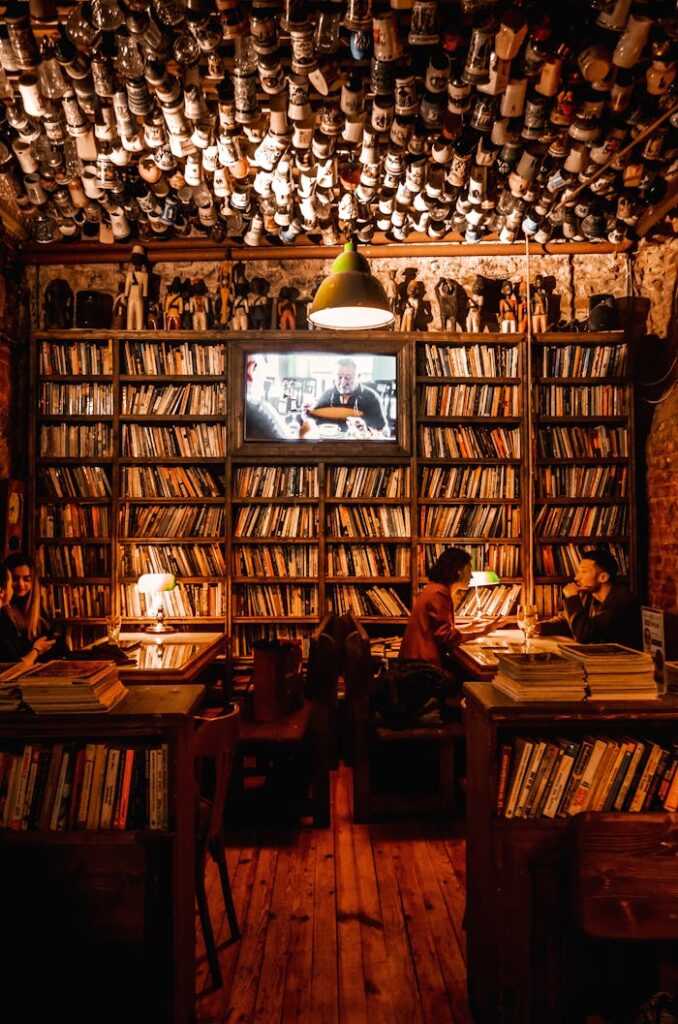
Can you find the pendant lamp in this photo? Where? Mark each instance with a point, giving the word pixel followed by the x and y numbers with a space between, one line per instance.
pixel 350 299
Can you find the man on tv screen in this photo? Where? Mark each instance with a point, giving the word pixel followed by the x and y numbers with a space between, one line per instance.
pixel 352 405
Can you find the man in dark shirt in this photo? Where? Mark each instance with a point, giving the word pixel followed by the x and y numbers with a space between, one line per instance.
pixel 597 609
pixel 349 393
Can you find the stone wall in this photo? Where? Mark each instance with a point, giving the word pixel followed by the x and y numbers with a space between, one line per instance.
pixel 654 274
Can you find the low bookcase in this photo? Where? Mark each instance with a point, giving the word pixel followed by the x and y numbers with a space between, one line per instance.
pixel 521 921
pixel 102 921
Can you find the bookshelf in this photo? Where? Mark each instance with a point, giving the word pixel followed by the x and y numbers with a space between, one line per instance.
pixel 518 911
pixel 471 437
pixel 140 466
pixel 115 903
pixel 584 478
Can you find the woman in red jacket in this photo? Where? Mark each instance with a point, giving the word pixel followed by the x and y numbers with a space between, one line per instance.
pixel 431 634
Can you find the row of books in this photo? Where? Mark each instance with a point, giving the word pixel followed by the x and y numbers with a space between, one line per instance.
pixel 504 559
pixel 369 482
pixel 469 482
pixel 370 560
pixel 173 400
pixel 275 599
pixel 469 442
pixel 276 521
pixel 370 601
pixel 74 482
pixel 563 559
pixel 168 482
pixel 470 400
pixel 501 599
pixel 582 481
pixel 71 520
pixel 574 442
pixel 276 481
pixel 583 360
pixel 76 600
pixel 83 399
pixel 557 777
pixel 190 440
pixel 75 560
pixel 276 560
pixel 70 440
pixel 190 600
pixel 602 400
pixel 76 357
pixel 245 636
pixel 486 360
pixel 171 520
pixel 69 786
pixel 369 520
pixel 179 559
pixel 162 357
pixel 580 520
pixel 548 597
pixel 470 521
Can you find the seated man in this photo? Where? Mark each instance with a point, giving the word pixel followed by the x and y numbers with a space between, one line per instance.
pixel 597 609
pixel 348 393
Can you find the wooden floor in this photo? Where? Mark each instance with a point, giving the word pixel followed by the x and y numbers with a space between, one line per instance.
pixel 344 925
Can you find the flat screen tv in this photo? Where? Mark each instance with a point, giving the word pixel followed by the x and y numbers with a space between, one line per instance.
pixel 306 395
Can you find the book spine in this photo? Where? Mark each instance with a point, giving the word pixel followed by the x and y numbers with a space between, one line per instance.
pixel 17 810
pixel 86 788
pixel 47 803
pixel 110 782
pixel 504 762
pixel 559 783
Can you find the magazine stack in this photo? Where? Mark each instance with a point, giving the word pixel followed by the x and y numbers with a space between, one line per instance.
pixel 614 672
pixel 540 675
pixel 65 687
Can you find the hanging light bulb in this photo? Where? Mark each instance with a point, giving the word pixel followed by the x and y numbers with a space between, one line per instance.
pixel 350 298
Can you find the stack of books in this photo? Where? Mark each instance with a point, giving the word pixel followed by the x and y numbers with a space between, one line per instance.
pixel 10 692
pixel 64 687
pixel 542 675
pixel 614 672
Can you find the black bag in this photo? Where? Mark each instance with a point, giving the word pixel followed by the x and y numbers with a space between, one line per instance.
pixel 410 693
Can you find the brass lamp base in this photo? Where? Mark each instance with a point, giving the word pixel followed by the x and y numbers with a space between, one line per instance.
pixel 159 627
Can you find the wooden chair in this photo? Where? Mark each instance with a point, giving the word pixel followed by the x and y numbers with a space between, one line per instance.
pixel 214 746
pixel 371 740
pixel 303 736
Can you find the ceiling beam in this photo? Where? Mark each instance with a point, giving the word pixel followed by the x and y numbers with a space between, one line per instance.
pixel 176 250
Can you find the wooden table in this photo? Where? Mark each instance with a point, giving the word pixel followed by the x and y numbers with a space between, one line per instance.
pixel 478 658
pixel 170 658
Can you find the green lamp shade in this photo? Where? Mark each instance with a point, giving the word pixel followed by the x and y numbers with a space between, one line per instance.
pixel 350 299
pixel 483 579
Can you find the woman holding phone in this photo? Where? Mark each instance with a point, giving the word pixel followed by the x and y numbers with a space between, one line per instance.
pixel 24 631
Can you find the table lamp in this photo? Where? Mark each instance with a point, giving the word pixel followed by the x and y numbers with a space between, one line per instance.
pixel 482 579
pixel 156 584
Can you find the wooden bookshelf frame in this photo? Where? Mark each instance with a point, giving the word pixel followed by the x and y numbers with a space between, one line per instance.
pixel 323 456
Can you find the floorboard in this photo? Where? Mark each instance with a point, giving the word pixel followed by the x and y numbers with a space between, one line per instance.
pixel 355 924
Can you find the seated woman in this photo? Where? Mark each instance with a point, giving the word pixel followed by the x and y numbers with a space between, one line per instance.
pixel 23 629
pixel 431 634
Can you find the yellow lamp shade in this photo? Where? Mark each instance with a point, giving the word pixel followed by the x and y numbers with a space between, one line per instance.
pixel 351 299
